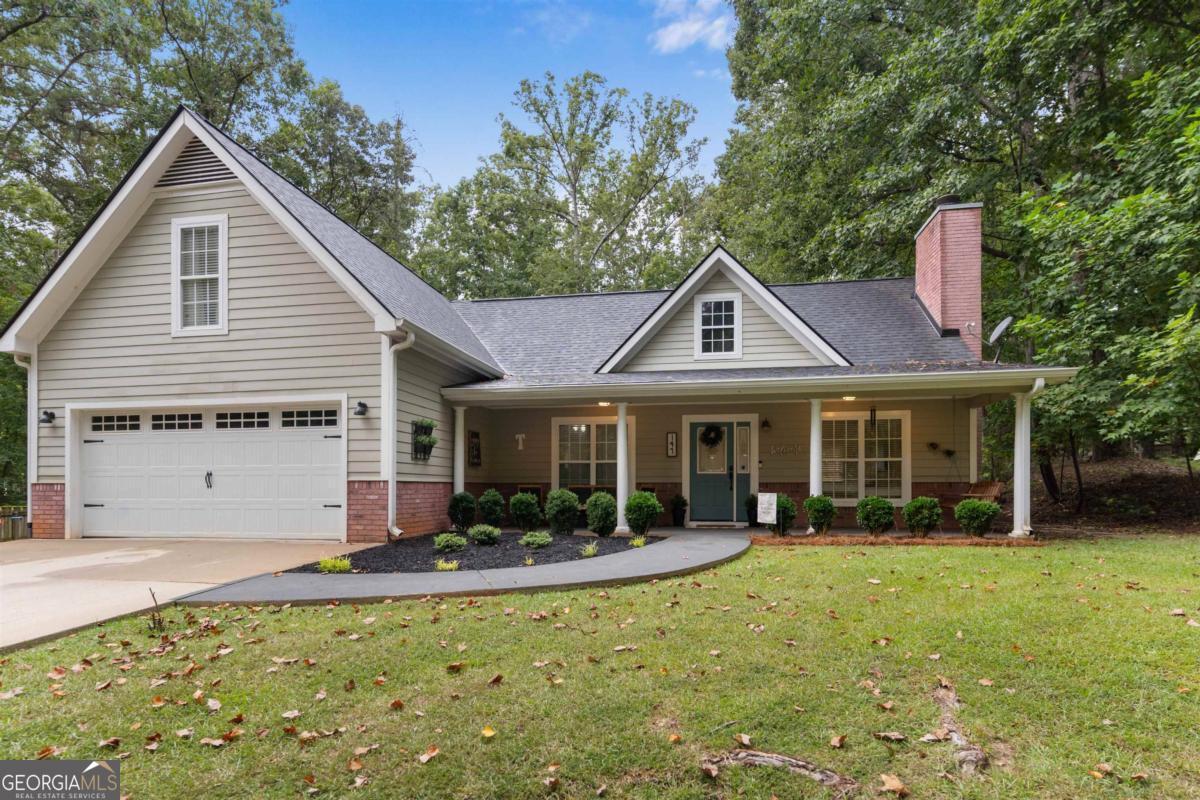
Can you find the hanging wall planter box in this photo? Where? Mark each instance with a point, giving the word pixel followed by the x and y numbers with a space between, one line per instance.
pixel 423 440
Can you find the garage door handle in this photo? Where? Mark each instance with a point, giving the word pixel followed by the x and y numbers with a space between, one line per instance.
pixel 93 505
pixel 208 479
pixel 333 505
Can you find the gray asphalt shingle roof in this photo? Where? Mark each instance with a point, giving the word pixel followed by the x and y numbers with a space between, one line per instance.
pixel 869 322
pixel 394 285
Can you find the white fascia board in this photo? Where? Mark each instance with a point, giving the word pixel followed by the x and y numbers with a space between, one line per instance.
pixel 834 385
pixel 96 244
pixel 749 285
pixel 348 283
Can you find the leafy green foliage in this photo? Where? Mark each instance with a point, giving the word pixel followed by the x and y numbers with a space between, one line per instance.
pixel 491 507
pixel 562 511
pixel 449 542
pixel 484 534
pixel 785 512
pixel 875 515
pixel 524 510
pixel 641 511
pixel 589 550
pixel 444 565
pixel 820 512
pixel 637 541
pixel 922 514
pixel 333 565
pixel 602 513
pixel 461 511
pixel 976 516
pixel 537 539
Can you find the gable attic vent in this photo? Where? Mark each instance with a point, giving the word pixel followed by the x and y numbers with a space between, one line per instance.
pixel 196 164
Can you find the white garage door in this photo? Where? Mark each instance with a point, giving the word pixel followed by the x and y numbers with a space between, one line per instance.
pixel 245 473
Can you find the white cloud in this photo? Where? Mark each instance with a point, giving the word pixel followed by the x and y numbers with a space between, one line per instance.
pixel 558 21
pixel 690 22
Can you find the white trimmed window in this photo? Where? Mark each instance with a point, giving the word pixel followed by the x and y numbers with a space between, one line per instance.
pixel 861 457
pixel 199 285
pixel 718 326
pixel 584 452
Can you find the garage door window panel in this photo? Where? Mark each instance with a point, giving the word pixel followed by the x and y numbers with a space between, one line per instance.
pixel 243 420
pixel 116 423
pixel 309 418
pixel 192 421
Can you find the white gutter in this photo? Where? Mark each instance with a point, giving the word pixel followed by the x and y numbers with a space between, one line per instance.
pixel 388 428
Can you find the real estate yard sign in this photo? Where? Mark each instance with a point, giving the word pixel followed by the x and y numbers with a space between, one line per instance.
pixel 766 508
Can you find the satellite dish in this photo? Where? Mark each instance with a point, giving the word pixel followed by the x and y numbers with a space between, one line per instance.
pixel 999 330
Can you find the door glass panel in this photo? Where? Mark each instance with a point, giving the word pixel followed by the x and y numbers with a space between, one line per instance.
pixel 743 450
pixel 711 460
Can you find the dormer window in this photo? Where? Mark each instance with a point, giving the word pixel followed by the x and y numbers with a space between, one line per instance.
pixel 199 288
pixel 718 329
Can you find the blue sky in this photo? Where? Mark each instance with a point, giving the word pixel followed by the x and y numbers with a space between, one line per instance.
pixel 451 66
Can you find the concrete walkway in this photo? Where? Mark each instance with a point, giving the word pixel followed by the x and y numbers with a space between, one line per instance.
pixel 678 554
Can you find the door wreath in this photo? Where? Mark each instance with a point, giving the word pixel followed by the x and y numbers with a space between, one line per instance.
pixel 712 435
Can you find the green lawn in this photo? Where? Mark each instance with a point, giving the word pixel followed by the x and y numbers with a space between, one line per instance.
pixel 1086 663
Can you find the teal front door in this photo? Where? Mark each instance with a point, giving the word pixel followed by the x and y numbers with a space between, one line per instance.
pixel 712 481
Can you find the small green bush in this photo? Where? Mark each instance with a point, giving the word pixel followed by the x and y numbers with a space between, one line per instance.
pixel 442 565
pixel 491 507
pixel 334 565
pixel 751 504
pixel 976 516
pixel 448 543
pixel 637 541
pixel 602 513
pixel 484 534
pixel 525 511
pixel 922 514
pixel 641 510
pixel 562 509
pixel 536 540
pixel 820 511
pixel 461 511
pixel 785 511
pixel 590 549
pixel 875 515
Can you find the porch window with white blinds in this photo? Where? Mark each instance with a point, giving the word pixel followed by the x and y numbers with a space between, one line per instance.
pixel 587 454
pixel 199 267
pixel 860 458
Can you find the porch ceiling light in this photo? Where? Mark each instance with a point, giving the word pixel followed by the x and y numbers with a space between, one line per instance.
pixel 604 403
pixel 849 397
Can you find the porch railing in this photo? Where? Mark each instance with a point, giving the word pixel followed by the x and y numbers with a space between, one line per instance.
pixel 13 524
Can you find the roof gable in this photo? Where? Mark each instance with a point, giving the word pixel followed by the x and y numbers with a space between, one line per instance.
pixel 720 261
pixel 189 148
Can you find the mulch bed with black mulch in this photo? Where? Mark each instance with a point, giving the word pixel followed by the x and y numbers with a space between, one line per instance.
pixel 417 554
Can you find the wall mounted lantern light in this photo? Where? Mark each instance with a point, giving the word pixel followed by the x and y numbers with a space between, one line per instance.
pixel 360 409
pixel 47 417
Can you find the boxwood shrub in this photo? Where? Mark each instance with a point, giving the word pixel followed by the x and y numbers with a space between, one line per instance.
pixel 875 515
pixel 976 516
pixel 461 511
pixel 820 512
pixel 562 509
pixel 922 514
pixel 484 534
pixel 602 513
pixel 491 508
pixel 448 543
pixel 641 510
pixel 525 511
pixel 785 514
pixel 536 540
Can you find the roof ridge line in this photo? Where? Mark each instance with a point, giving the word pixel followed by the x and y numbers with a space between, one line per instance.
pixel 561 296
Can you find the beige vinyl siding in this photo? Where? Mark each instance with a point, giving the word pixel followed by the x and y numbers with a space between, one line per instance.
pixel 764 341
pixel 783 450
pixel 292 329
pixel 419 382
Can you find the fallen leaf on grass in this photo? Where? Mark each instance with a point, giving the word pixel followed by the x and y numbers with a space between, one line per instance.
pixel 742 739
pixel 496 679
pixel 985 681
pixel 837 741
pixel 213 742
pixel 674 738
pixel 354 765
pixel 893 784
pixel 293 714
pixel 396 704
pixel 111 743
pixel 214 704
pixel 102 685
pixel 937 735
pixel 487 732
pixel 430 753
pixel 456 666
pixel 184 733
pixel 320 695
pixel 890 736
pixel 49 751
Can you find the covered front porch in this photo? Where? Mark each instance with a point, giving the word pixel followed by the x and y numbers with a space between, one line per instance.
pixel 715 445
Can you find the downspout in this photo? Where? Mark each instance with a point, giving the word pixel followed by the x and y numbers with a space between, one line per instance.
pixel 389 378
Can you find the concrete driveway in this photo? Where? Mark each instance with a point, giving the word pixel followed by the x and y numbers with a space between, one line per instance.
pixel 49 587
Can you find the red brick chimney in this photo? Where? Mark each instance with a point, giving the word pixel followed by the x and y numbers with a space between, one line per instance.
pixel 950 270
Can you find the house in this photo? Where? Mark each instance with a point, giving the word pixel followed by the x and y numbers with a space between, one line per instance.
pixel 219 355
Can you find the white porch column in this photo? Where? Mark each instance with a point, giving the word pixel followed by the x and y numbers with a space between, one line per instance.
pixel 460 448
pixel 814 449
pixel 622 465
pixel 1021 433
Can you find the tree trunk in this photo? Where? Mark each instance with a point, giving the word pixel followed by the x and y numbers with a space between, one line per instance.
pixel 1148 447
pixel 1048 477
pixel 1078 474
